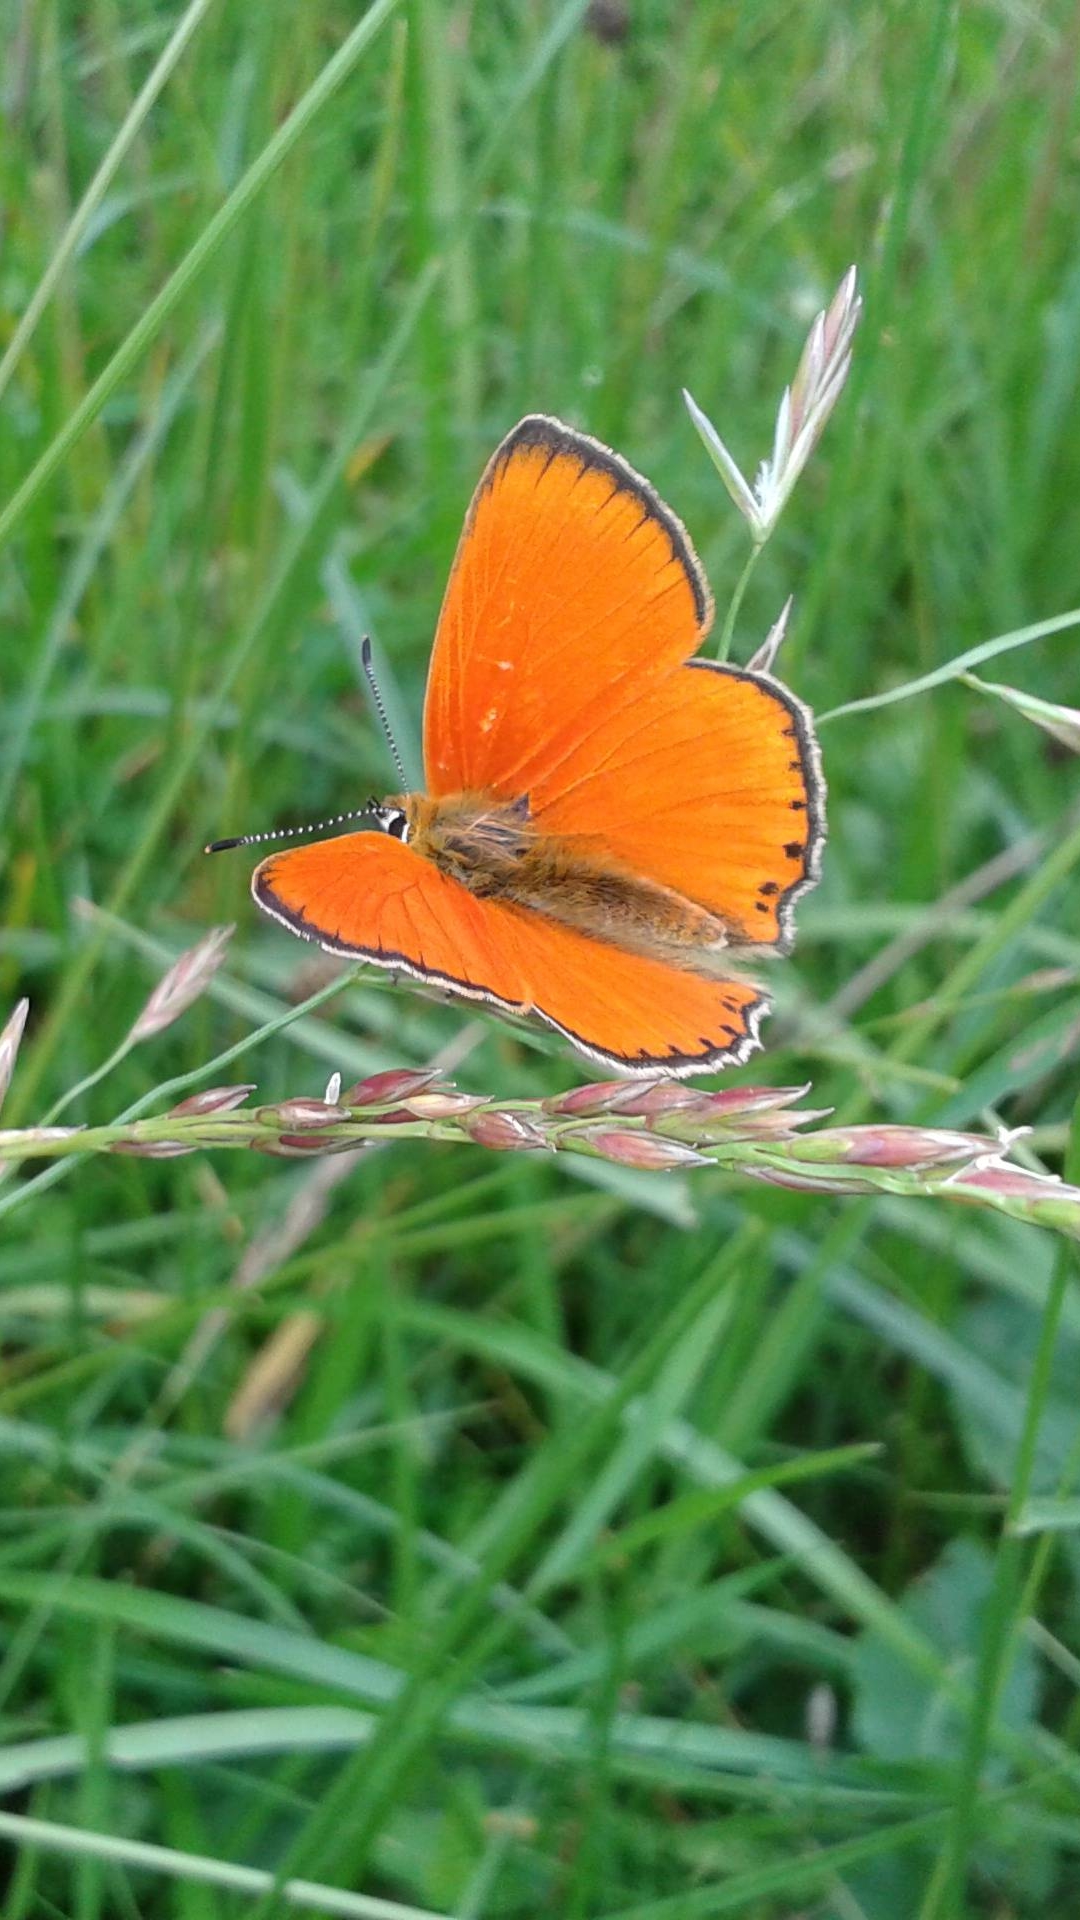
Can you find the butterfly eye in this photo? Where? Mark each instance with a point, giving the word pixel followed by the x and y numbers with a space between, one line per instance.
pixel 395 821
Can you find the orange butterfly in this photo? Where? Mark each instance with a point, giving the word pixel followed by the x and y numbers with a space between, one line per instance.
pixel 608 822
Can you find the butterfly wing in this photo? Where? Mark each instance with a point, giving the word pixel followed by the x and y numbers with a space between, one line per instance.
pixel 372 897
pixel 573 587
pixel 562 672
pixel 710 783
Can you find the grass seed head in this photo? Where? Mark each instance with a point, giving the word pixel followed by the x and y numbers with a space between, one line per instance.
pixel 804 408
pixel 505 1132
pixel 302 1113
pixel 386 1089
pixel 214 1100
pixel 649 1152
pixel 889 1146
pixel 440 1105
pixel 184 982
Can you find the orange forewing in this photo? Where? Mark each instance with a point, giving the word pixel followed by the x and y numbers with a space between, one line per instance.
pixel 574 589
pixel 369 895
pixel 561 673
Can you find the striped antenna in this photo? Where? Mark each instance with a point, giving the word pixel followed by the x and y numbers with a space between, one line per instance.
pixel 369 671
pixel 338 819
pixel 288 833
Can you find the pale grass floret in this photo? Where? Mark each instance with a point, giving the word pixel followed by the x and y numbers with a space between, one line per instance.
pixel 186 979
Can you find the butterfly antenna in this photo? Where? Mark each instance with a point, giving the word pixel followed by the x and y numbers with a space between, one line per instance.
pixel 369 671
pixel 288 833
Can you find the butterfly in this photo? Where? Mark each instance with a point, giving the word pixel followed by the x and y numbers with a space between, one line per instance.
pixel 610 824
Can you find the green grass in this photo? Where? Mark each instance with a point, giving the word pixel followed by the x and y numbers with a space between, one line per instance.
pixel 611 1545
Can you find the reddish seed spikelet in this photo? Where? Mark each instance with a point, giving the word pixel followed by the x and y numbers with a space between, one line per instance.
pixel 651 1098
pixel 719 1123
pixel 661 1097
pixel 736 1101
pixel 380 1089
pixel 301 1143
pixel 290 1146
pixel 443 1106
pixel 763 1123
pixel 303 1112
pixel 777 1125
pixel 595 1098
pixel 9 1045
pixel 185 980
pixel 504 1132
pixel 1020 1183
pixel 649 1152
pixel 153 1149
pixel 894 1146
pixel 213 1100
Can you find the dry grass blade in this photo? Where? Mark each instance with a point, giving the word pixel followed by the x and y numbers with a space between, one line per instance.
pixel 9 1044
pixel 1060 722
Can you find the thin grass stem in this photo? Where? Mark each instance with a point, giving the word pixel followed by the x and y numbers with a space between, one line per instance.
pixel 723 645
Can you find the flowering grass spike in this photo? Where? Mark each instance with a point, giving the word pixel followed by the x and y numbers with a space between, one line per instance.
pixel 755 1133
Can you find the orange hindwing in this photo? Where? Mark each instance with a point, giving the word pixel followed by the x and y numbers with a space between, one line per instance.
pixel 367 895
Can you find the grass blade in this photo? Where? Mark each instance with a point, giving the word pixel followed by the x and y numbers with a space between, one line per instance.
pixel 206 248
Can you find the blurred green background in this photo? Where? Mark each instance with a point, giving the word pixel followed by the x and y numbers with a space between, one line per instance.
pixel 450 1567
